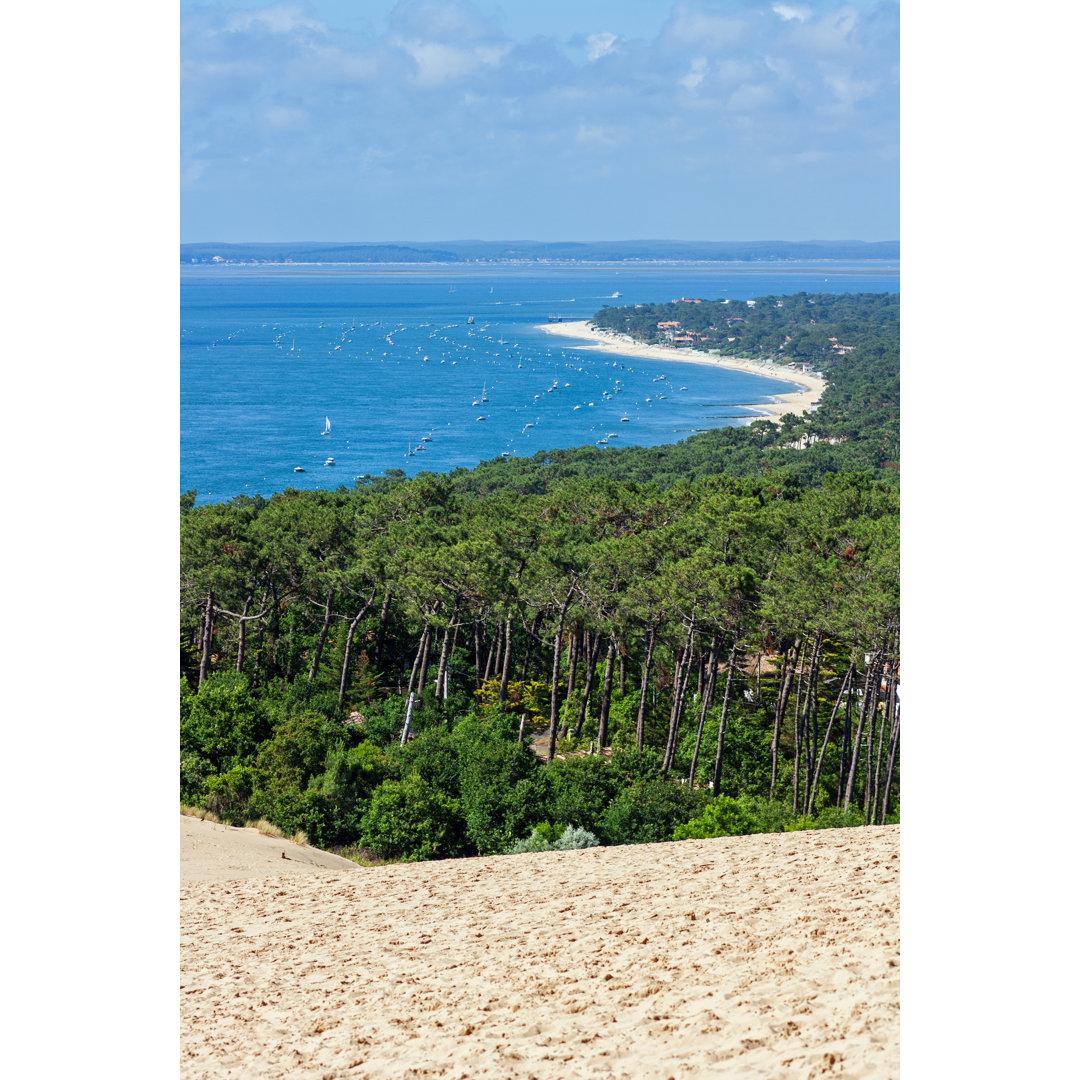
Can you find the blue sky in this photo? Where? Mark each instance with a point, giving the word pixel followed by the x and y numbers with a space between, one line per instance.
pixel 594 119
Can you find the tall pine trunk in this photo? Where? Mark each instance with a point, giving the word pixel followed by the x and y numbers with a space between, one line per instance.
pixel 440 677
pixel 718 764
pixel 706 698
pixel 868 780
pixel 856 743
pixel 317 658
pixel 849 674
pixel 605 699
pixel 809 718
pixel 421 651
pixel 241 634
pixel 678 696
pixel 553 724
pixel 425 660
pixel 798 740
pixel 890 764
pixel 590 678
pixel 207 637
pixel 787 672
pixel 887 722
pixel 353 624
pixel 504 682
pixel 646 668
pixel 571 673
pixel 529 646
pixel 493 653
pixel 380 640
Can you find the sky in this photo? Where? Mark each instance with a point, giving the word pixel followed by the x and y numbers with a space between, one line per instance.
pixel 588 120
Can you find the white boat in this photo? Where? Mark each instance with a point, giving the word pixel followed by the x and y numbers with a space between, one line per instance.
pixel 299 468
pixel 326 430
pixel 625 419
pixel 616 294
pixel 483 393
pixel 329 461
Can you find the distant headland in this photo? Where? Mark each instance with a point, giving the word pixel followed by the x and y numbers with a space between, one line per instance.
pixel 528 251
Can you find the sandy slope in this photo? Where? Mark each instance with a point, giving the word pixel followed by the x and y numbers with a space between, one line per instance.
pixel 761 956
pixel 211 852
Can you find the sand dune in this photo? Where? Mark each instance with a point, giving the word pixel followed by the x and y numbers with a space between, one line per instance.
pixel 761 956
pixel 212 852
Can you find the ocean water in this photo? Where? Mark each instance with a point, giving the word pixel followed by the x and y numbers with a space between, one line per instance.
pixel 388 355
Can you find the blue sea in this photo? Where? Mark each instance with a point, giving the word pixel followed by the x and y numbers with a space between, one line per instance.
pixel 428 368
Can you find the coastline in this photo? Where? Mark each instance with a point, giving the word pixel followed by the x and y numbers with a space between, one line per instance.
pixel 798 401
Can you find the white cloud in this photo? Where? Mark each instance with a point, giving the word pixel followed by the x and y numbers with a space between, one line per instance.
pixel 688 27
pixel 787 12
pixel 437 63
pixel 600 45
pixel 279 19
pixel 692 79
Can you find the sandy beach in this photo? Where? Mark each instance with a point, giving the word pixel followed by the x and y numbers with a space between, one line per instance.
pixel 606 341
pixel 743 957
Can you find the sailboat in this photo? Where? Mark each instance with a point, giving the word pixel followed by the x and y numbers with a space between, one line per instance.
pixel 326 430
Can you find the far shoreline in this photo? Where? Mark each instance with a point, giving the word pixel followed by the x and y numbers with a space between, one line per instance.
pixel 797 402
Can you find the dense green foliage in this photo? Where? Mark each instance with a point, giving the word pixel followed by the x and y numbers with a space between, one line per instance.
pixel 706 634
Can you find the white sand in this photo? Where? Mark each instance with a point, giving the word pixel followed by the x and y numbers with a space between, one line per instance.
pixel 745 957
pixel 606 341
pixel 211 852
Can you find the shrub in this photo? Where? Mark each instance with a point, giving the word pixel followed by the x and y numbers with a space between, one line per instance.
pixel 502 792
pixel 724 816
pixel 229 795
pixel 223 723
pixel 346 784
pixel 573 837
pixel 831 817
pixel 579 789
pixel 195 770
pixel 727 816
pixel 297 750
pixel 435 756
pixel 546 837
pixel 409 820
pixel 531 697
pixel 383 722
pixel 648 811
pixel 632 765
pixel 534 842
